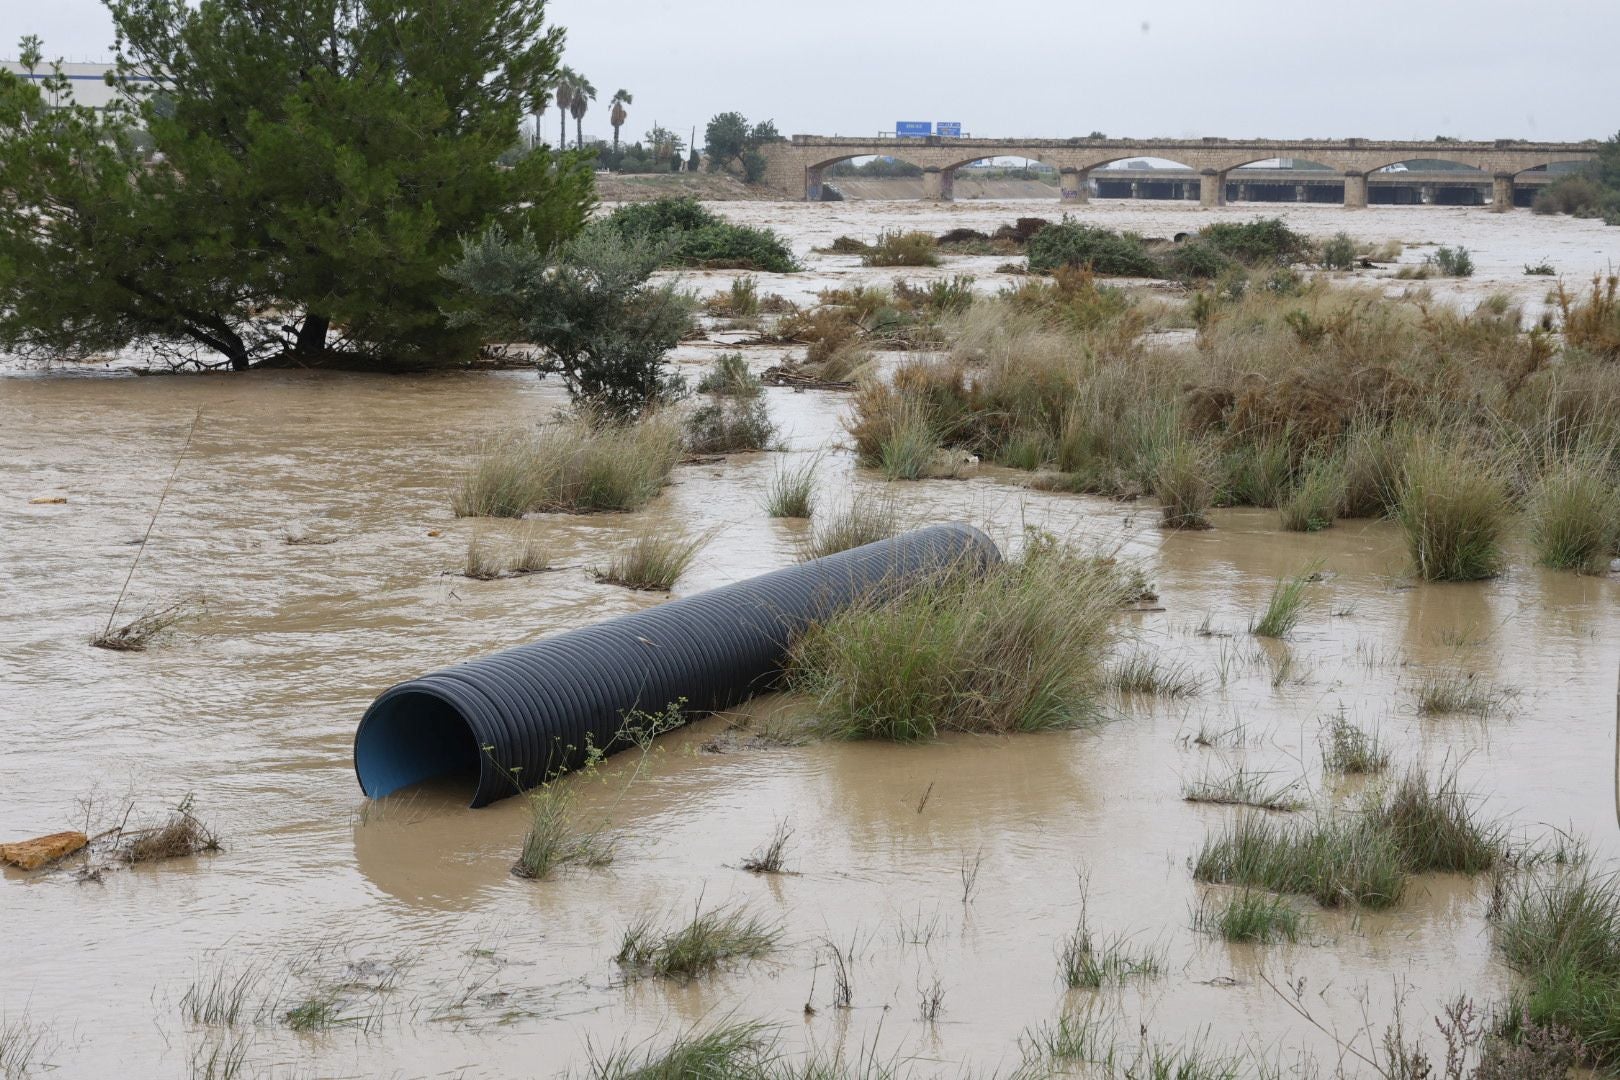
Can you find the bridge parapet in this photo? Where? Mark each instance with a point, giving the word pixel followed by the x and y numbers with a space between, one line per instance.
pixel 795 166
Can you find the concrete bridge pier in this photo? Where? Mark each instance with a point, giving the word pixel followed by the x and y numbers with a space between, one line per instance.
pixel 1501 193
pixel 1355 191
pixel 812 183
pixel 1212 188
pixel 1072 186
pixel 939 185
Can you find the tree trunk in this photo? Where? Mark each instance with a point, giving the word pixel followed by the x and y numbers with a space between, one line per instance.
pixel 562 131
pixel 579 133
pixel 615 140
pixel 312 335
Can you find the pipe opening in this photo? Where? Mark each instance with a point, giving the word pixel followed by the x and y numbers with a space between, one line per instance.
pixel 410 737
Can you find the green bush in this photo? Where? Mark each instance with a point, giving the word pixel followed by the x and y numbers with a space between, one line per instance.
pixel 1453 262
pixel 902 249
pixel 1069 243
pixel 1260 240
pixel 1196 260
pixel 699 237
pixel 590 304
pixel 1338 252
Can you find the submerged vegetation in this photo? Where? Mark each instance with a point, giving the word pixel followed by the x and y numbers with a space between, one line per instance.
pixel 1412 826
pixel 690 234
pixel 697 947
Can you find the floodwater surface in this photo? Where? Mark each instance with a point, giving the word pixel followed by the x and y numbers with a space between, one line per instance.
pixel 961 864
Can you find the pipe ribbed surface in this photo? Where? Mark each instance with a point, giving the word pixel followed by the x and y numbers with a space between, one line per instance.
pixel 538 706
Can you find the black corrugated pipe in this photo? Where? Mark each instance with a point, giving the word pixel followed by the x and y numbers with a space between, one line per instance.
pixel 538 706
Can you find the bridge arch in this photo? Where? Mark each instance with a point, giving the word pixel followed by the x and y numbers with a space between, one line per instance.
pixel 815 175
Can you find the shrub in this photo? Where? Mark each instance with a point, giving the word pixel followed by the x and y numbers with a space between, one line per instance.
pixel 590 305
pixel 1452 261
pixel 577 466
pixel 866 521
pixel 1069 243
pixel 652 561
pixel 1575 514
pixel 690 234
pixel 1017 648
pixel 1257 241
pixel 1453 507
pixel 1579 194
pixel 1338 252
pixel 730 377
pixel 792 492
pixel 1184 482
pixel 902 249
pixel 1196 260
pixel 730 425
pixel 1592 322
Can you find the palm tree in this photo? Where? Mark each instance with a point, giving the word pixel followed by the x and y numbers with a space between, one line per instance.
pixel 618 116
pixel 564 93
pixel 541 101
pixel 580 100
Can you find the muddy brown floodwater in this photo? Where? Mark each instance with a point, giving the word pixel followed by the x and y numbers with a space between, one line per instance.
pixel 403 912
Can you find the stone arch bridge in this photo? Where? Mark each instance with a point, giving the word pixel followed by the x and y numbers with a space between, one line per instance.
pixel 795 166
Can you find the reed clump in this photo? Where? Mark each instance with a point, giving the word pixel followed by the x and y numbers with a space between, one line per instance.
pixel 653 560
pixel 1454 506
pixel 1574 512
pixel 575 466
pixel 1019 647
pixel 792 491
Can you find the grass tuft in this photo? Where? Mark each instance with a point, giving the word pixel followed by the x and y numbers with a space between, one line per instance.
pixel 1142 672
pixel 730 1050
pixel 792 491
pixel 1240 787
pixel 1352 751
pixel 1184 481
pixel 1085 963
pixel 652 561
pixel 1248 915
pixel 577 467
pixel 768 859
pixel 554 840
pixel 710 939
pixel 1575 514
pixel 1018 648
pixel 1441 693
pixel 867 520
pixel 1414 826
pixel 1314 502
pixel 1288 602
pixel 1453 506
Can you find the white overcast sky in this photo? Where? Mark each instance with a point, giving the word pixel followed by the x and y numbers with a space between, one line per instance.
pixel 1477 69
